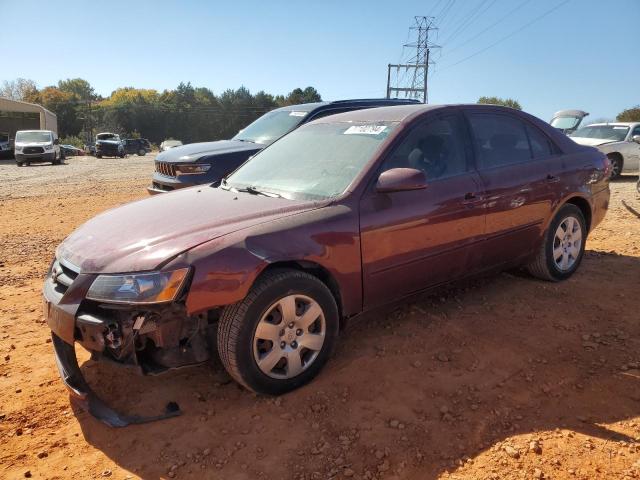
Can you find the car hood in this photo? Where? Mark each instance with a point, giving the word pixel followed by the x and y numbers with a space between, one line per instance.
pixel 193 151
pixel 142 235
pixel 592 142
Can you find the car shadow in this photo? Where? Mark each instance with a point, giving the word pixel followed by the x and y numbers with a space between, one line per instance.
pixel 415 390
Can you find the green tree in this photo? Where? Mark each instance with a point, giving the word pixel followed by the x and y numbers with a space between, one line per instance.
pixel 629 115
pixel 506 102
pixel 298 96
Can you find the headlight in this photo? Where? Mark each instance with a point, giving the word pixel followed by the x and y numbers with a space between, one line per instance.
pixel 192 168
pixel 17 148
pixel 156 287
pixel 48 147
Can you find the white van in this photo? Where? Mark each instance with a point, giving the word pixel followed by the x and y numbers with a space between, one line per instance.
pixel 33 146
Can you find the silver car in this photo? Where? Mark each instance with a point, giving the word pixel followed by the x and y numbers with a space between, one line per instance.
pixel 620 141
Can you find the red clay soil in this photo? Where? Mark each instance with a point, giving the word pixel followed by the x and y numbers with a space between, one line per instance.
pixel 502 377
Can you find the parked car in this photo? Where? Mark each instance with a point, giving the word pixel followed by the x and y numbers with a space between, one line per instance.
pixel 139 146
pixel 6 147
pixel 209 162
pixel 620 141
pixel 109 145
pixel 169 144
pixel 70 150
pixel 34 146
pixel 343 215
pixel 90 148
pixel 568 121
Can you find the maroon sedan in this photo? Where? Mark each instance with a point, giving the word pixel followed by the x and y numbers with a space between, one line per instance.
pixel 342 215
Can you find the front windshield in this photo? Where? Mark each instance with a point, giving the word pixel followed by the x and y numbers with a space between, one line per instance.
pixel 271 126
pixel 604 132
pixel 317 161
pixel 565 123
pixel 27 137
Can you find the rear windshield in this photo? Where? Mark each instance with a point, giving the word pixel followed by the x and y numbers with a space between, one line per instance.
pixel 108 136
pixel 604 132
pixel 271 126
pixel 33 136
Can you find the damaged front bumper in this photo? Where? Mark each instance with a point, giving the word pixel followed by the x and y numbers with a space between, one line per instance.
pixel 80 391
pixel 150 339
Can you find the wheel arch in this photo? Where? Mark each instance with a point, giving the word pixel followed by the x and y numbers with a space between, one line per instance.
pixel 584 207
pixel 315 269
pixel 617 155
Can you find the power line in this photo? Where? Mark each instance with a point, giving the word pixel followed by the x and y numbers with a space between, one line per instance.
pixel 512 11
pixel 506 37
pixel 474 15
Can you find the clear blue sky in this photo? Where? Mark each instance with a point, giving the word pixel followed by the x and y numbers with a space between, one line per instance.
pixel 582 55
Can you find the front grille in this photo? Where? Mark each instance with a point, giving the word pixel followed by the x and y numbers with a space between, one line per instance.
pixel 29 150
pixel 63 274
pixel 166 168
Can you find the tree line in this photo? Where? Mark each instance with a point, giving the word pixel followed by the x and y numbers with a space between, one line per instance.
pixel 187 113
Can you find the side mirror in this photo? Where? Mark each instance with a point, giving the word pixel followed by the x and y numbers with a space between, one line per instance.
pixel 56 141
pixel 400 180
pixel 636 138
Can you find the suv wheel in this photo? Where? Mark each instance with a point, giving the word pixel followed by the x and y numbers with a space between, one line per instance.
pixel 563 247
pixel 142 152
pixel 19 164
pixel 280 336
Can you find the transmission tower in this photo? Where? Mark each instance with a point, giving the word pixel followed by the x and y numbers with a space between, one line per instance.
pixel 415 72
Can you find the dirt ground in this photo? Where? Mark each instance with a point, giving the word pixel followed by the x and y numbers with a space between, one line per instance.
pixel 503 377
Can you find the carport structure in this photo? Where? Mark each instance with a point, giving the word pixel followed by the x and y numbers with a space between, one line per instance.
pixel 16 115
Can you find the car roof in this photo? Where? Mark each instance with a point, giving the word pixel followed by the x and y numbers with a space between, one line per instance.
pixel 357 102
pixel 615 124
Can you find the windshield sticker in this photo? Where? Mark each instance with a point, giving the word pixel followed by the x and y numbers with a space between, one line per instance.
pixel 365 129
pixel 297 114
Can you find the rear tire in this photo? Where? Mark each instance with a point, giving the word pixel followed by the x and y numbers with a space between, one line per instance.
pixel 562 249
pixel 141 153
pixel 298 312
pixel 98 156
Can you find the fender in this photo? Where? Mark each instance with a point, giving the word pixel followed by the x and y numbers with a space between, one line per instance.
pixel 226 268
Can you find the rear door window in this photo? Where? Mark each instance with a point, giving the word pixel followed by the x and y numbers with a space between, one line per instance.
pixel 499 140
pixel 540 145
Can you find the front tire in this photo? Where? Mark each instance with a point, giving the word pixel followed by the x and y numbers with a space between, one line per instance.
pixel 281 334
pixel 616 166
pixel 563 246
pixel 141 153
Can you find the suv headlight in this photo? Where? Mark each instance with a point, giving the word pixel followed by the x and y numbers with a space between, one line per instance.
pixel 17 148
pixel 143 288
pixel 192 168
pixel 48 147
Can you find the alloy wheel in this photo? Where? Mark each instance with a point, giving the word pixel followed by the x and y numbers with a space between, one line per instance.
pixel 289 336
pixel 567 243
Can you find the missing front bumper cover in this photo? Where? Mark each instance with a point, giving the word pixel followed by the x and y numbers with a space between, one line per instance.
pixel 73 379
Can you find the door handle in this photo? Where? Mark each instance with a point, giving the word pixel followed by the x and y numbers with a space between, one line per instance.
pixel 552 178
pixel 471 199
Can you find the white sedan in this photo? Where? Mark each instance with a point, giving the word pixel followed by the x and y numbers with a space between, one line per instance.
pixel 619 141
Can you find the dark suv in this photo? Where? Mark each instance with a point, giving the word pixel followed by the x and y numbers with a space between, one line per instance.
pixel 209 162
pixel 139 146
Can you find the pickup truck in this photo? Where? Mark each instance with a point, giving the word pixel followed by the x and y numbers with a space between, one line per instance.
pixel 109 145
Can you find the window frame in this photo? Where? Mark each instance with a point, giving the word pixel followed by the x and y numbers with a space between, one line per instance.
pixel 467 112
pixel 418 123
